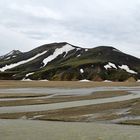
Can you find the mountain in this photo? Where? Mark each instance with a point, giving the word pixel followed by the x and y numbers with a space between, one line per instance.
pixel 9 55
pixel 63 61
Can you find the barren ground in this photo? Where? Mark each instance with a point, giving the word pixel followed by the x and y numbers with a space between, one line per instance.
pixel 93 116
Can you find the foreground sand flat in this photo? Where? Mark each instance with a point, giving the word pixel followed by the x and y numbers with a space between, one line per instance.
pixel 43 130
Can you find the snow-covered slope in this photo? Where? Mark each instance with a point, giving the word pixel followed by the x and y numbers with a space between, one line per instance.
pixel 110 65
pixel 65 49
pixel 123 67
pixel 21 62
pixel 126 68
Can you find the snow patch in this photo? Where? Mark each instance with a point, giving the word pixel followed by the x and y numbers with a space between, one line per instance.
pixel 11 53
pixel 110 65
pixel 84 80
pixel 126 68
pixel 78 49
pixel 116 50
pixel 81 70
pixel 86 50
pixel 107 81
pixel 29 74
pixel 44 80
pixel 57 52
pixel 10 57
pixel 26 79
pixel 7 58
pixel 107 66
pixel 79 55
pixel 21 62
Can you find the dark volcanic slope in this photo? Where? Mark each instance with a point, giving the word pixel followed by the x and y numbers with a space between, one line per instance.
pixel 63 61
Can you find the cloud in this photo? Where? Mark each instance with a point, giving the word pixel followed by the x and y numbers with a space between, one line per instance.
pixel 84 23
pixel 35 11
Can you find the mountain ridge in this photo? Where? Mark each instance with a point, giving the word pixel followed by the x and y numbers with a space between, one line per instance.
pixel 63 61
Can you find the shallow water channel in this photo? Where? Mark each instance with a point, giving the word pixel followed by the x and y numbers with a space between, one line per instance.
pixel 67 91
pixel 44 130
pixel 135 93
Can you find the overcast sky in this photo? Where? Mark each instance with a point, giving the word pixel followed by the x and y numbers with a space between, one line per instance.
pixel 26 24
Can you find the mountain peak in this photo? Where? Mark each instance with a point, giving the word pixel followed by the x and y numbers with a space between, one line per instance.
pixel 50 46
pixel 111 48
pixel 63 61
pixel 10 54
pixel 14 52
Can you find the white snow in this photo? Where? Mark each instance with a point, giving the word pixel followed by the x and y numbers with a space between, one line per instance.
pixel 44 80
pixel 10 57
pixel 79 55
pixel 81 70
pixel 110 65
pixel 107 81
pixel 7 58
pixel 57 52
pixel 78 49
pixel 126 68
pixel 29 74
pixel 84 80
pixel 26 79
pixel 21 62
pixel 116 50
pixel 86 50
pixel 107 66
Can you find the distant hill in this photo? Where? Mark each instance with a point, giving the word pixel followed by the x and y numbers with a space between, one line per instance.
pixel 63 61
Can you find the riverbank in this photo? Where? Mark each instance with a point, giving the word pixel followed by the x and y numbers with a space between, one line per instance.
pixel 66 84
